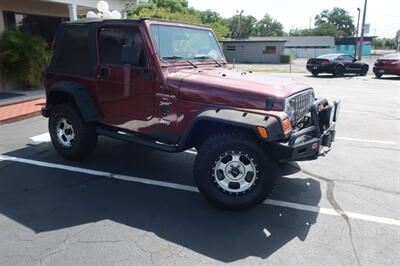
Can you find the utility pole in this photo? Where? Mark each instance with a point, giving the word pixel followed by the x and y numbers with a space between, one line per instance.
pixel 362 31
pixel 358 26
pixel 239 23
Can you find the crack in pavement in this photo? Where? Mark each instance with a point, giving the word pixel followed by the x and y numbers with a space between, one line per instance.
pixel 335 205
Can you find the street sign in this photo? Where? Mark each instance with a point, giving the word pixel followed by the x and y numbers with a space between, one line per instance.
pixel 367 27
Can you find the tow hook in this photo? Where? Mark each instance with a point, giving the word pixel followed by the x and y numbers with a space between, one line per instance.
pixel 325 152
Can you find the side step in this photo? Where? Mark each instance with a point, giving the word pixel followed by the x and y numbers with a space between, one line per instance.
pixel 137 138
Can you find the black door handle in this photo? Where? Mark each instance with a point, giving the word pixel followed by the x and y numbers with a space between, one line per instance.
pixel 104 72
pixel 146 74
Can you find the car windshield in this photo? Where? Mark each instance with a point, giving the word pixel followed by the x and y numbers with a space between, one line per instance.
pixel 180 43
pixel 392 56
pixel 329 56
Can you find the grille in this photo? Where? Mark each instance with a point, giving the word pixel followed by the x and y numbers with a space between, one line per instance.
pixel 298 105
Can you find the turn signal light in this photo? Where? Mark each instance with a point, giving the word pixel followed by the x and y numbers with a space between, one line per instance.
pixel 263 132
pixel 286 125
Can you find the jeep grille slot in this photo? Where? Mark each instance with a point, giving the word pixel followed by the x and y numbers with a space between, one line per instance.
pixel 298 105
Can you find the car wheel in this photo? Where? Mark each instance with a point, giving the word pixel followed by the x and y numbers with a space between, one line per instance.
pixel 364 71
pixel 314 73
pixel 378 75
pixel 233 171
pixel 72 137
pixel 339 71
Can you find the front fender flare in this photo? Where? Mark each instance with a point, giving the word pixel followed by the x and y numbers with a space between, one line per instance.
pixel 240 119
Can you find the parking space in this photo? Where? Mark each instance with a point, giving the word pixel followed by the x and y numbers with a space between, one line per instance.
pixel 128 204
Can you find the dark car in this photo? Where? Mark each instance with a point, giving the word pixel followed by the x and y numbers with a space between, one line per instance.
pixel 164 85
pixel 387 65
pixel 336 64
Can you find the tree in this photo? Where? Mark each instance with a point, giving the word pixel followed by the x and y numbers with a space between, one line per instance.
pixel 268 26
pixel 300 32
pixel 246 28
pixel 324 29
pixel 378 43
pixel 22 57
pixel 179 10
pixel 338 17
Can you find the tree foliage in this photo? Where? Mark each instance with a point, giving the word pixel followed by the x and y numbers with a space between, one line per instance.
pixel 268 26
pixel 384 43
pixel 179 10
pixel 22 57
pixel 245 29
pixel 337 17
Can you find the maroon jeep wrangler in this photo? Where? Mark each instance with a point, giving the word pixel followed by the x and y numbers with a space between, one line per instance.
pixel 165 85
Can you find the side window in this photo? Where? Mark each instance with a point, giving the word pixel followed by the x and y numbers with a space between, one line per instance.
pixel 121 45
pixel 269 50
pixel 348 58
pixel 73 56
pixel 345 58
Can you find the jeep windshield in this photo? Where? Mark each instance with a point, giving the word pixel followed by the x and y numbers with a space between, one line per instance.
pixel 179 43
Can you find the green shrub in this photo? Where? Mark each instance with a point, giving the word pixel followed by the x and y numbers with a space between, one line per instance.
pixel 286 58
pixel 22 57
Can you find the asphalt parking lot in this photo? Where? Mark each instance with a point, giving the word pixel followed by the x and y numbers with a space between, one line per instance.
pixel 127 204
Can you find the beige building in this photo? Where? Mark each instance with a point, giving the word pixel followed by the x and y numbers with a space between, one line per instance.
pixel 42 17
pixel 254 50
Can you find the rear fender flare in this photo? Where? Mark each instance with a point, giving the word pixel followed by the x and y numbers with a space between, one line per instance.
pixel 81 96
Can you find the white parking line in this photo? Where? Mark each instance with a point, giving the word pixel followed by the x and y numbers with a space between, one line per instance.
pixel 367 140
pixel 291 205
pixel 39 139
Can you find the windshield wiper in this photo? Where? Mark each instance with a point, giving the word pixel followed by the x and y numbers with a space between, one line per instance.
pixel 204 57
pixel 174 57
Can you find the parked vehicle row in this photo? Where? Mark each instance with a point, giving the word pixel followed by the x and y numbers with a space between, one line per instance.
pixel 336 64
pixel 340 64
pixel 389 64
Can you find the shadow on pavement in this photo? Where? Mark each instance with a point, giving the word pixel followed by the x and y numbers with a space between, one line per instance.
pixel 388 78
pixel 45 199
pixel 330 76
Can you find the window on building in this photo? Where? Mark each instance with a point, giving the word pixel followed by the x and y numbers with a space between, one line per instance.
pixel 44 26
pixel 231 48
pixel 114 41
pixel 269 50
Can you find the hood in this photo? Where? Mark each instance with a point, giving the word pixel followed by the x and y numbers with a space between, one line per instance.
pixel 234 88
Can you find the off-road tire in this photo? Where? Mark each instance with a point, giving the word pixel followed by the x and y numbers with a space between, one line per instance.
pixel 85 133
pixel 207 159
pixel 364 71
pixel 339 71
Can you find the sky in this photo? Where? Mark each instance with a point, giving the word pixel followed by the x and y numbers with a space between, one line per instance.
pixel 383 15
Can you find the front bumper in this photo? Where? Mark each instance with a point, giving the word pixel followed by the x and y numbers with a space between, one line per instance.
pixel 315 140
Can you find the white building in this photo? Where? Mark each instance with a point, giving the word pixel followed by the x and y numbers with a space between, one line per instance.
pixel 42 17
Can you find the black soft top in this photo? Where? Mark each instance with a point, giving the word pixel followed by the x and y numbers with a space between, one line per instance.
pixel 74 48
